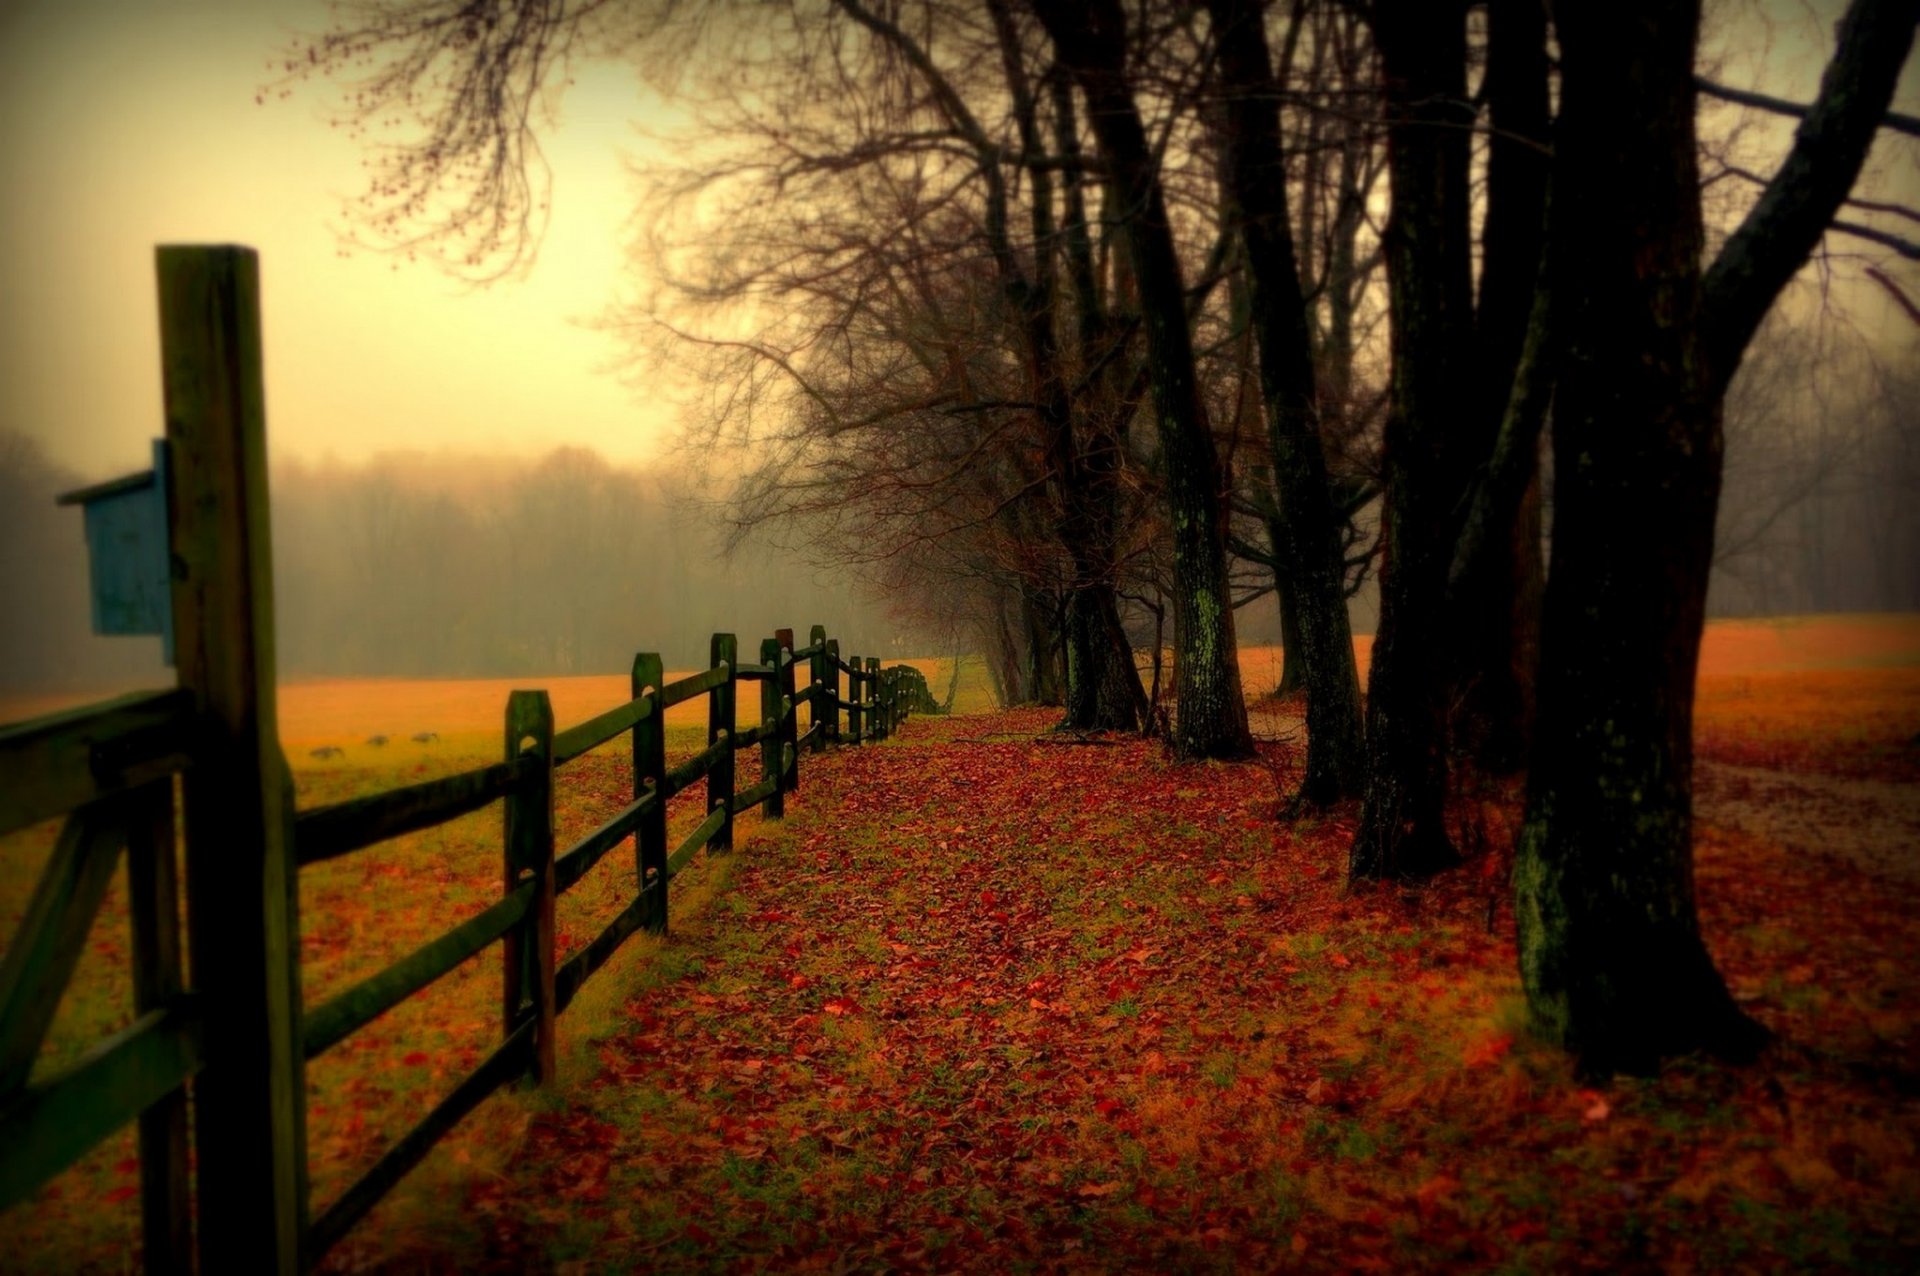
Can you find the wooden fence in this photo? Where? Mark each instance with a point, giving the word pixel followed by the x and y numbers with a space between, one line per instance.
pixel 227 1023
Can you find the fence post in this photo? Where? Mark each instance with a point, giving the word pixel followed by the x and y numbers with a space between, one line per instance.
pixel 153 907
pixel 250 1098
pixel 856 676
pixel 725 650
pixel 833 691
pixel 818 712
pixel 879 711
pixel 789 732
pixel 774 805
pixel 650 772
pixel 529 854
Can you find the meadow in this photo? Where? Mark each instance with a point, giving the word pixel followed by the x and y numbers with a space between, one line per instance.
pixel 990 998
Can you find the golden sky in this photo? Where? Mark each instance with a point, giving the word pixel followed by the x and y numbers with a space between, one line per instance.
pixel 124 124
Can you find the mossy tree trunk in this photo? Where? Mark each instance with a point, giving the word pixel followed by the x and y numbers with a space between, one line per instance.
pixel 1305 532
pixel 1610 948
pixel 1422 48
pixel 1211 719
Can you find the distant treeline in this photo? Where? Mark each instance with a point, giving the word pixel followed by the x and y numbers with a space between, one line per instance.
pixel 438 566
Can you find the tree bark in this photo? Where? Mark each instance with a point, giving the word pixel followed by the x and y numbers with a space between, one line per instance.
pixel 1422 48
pixel 1211 719
pixel 1610 949
pixel 1495 600
pixel 1308 572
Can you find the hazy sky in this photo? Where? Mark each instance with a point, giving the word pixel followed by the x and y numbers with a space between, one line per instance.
pixel 124 124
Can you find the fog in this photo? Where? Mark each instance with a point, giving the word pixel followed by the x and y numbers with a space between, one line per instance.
pixel 439 565
pixel 446 565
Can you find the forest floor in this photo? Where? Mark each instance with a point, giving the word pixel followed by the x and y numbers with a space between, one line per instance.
pixel 990 999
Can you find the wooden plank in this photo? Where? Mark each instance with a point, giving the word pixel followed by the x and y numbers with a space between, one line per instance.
pixel 701 836
pixel 153 914
pixel 811 738
pixel 697 684
pixel 508 1060
pixel 696 767
pixel 578 860
pixel 649 785
pixel 242 882
pixel 48 1126
pixel 761 672
pixel 596 731
pixel 373 996
pixel 529 859
pixel 329 831
pixel 747 799
pixel 573 973
pixel 751 736
pixel 725 654
pixel 57 763
pixel 53 933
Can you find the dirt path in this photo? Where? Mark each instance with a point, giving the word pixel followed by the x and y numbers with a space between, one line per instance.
pixel 1873 825
pixel 989 1004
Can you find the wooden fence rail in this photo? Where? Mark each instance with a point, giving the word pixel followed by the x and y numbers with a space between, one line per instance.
pixel 237 1035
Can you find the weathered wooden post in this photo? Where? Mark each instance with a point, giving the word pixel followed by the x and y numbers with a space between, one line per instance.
pixel 774 805
pixel 724 651
pixel 153 907
pixel 529 857
pixel 878 713
pixel 819 711
pixel 789 730
pixel 250 1098
pixel 856 678
pixel 650 772
pixel 832 694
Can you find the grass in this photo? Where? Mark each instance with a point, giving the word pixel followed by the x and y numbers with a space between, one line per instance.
pixel 988 1004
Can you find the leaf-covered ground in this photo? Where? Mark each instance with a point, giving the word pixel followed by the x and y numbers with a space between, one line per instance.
pixel 992 1000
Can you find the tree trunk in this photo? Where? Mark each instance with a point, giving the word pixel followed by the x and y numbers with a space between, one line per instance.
pixel 1293 669
pixel 1610 949
pixel 1494 617
pixel 1040 679
pixel 1211 717
pixel 1308 572
pixel 1423 58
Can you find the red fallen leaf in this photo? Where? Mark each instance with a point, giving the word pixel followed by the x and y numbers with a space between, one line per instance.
pixel 1597 1109
pixel 839 1006
pixel 1339 959
pixel 125 1192
pixel 1433 1190
pixel 417 1059
pixel 798 981
pixel 1488 1050
pixel 128 1165
pixel 988 899
pixel 1098 1189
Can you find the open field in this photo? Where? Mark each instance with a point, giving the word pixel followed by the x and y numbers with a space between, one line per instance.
pixel 987 999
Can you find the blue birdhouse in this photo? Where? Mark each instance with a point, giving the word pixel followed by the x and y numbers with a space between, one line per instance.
pixel 127 552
